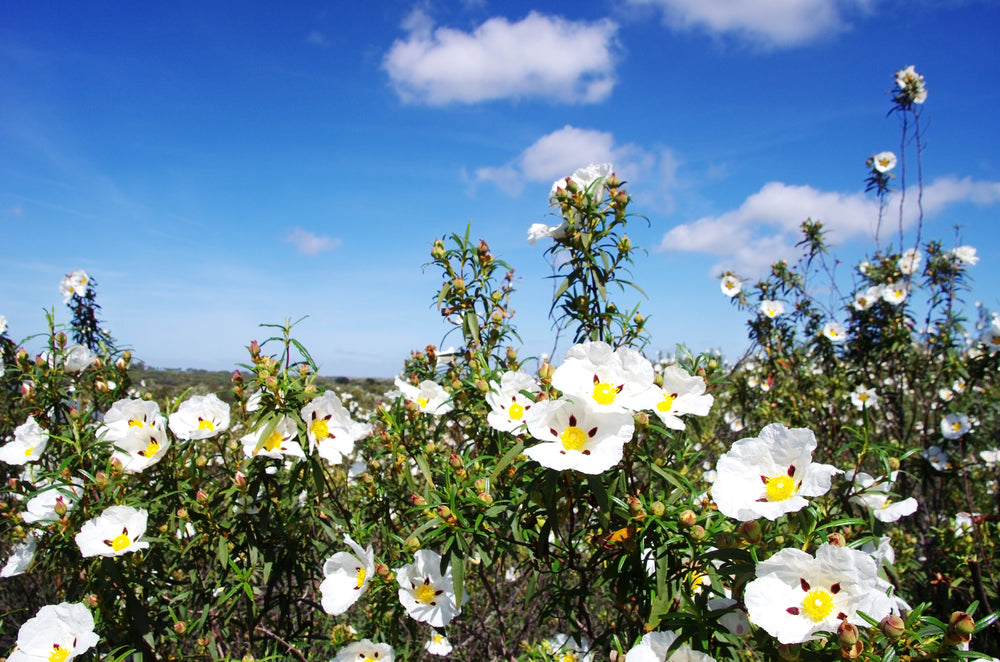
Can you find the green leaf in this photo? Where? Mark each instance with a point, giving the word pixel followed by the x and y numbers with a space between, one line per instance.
pixel 458 576
pixel 507 458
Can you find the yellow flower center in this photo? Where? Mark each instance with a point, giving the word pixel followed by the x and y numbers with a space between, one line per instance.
pixel 135 423
pixel 863 397
pixel 438 639
pixel 118 543
pixel 274 441
pixel 422 402
pixel 58 654
pixel 780 487
pixel 573 438
pixel 569 657
pixel 515 411
pixel 956 426
pixel 362 573
pixel 27 453
pixel 818 604
pixel 320 429
pixel 604 393
pixel 883 162
pixel 152 449
pixel 425 593
pixel 667 403
pixel 205 424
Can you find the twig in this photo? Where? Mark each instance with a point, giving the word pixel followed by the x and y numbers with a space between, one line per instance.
pixel 291 648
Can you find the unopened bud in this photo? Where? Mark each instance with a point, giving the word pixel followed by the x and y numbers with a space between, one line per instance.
pixel 92 600
pixel 641 420
pixel 240 480
pixel 485 497
pixel 382 570
pixel 727 540
pixel 688 518
pixel 458 285
pixel 444 512
pixel 962 625
pixel 303 369
pixel 455 461
pixel 482 386
pixel 511 354
pixel 61 340
pixel 698 532
pixel 201 496
pixel 634 504
pixel 413 543
pixel 837 539
pixel 657 508
pixel 200 461
pixel 624 245
pixel 437 250
pixel 180 627
pixel 254 349
pixel 789 651
pixel 847 633
pixel 545 372
pixel 752 531
pixel 892 626
pixel 417 500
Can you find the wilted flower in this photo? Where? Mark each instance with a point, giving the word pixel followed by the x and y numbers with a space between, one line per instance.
pixel 28 444
pixel 834 332
pixel 280 442
pixel 429 396
pixel 57 633
pixel 680 395
pixel 508 405
pixel 577 436
pixel 74 283
pixel 426 594
pixel 883 162
pixel 606 378
pixel 346 577
pixel 731 285
pixel 873 494
pixel 114 532
pixel 954 426
pixel 330 428
pixel 772 308
pixel 365 651
pixel 911 87
pixel 797 595
pixel 438 644
pixel 769 475
pixel 200 417
pixel 864 398
pixel 21 556
pixel 655 646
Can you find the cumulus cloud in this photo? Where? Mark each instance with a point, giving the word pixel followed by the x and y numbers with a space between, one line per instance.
pixel 308 243
pixel 766 227
pixel 540 56
pixel 766 23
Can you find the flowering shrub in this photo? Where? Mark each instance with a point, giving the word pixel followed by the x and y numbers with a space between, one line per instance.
pixel 600 508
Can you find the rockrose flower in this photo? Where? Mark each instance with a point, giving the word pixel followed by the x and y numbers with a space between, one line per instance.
pixel 565 648
pixel 429 396
pixel 129 415
pixel 74 283
pixel 681 394
pixel 365 651
pixel 280 442
pixel 770 475
pixel 954 426
pixel 865 300
pixel 141 448
pixel 834 332
pixel 346 577
pixel 199 417
pixel 772 309
pixel 330 429
pixel 911 87
pixel 542 231
pixel 57 633
pixel 438 644
pixel 964 255
pixel 655 647
pixel 508 405
pixel 51 501
pixel 797 595
pixel 910 260
pixel 427 595
pixel 575 435
pixel 114 532
pixel 28 443
pixel 607 379
pixel 21 556
pixel 873 494
pixel 589 179
pixel 730 285
pixel 883 162
pixel 895 293
pixel 864 398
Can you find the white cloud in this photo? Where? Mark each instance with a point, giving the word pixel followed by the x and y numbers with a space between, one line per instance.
pixel 767 23
pixel 310 244
pixel 539 56
pixel 767 225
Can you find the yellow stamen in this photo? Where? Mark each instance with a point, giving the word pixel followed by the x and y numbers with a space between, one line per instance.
pixel 573 438
pixel 205 424
pixel 569 657
pixel 605 393
pixel 780 487
pixel 274 441
pixel 320 429
pixel 667 403
pixel 818 604
pixel 135 423
pixel 27 453
pixel 118 543
pixel 422 402
pixel 515 411
pixel 152 449
pixel 425 593
pixel 58 654
pixel 362 573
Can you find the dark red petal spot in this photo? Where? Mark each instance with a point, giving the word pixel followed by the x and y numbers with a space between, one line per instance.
pixel 592 432
pixel 619 389
pixel 804 584
pixel 596 379
pixel 572 420
pixel 585 452
pixel 841 615
pixel 791 470
pixel 835 589
pixel 763 479
pixel 794 611
pixel 553 432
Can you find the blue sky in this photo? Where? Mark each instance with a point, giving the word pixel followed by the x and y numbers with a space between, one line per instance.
pixel 215 166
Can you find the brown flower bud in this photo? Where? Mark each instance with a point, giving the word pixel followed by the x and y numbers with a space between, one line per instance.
pixel 752 531
pixel 847 633
pixel 892 626
pixel 961 625
pixel 201 496
pixel 837 539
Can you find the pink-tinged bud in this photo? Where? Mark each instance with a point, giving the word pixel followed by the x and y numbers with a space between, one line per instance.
pixel 752 531
pixel 254 349
pixel 455 461
pixel 698 532
pixel 482 386
pixel 201 496
pixel 444 512
pixel 962 625
pixel 120 365
pixel 892 626
pixel 847 633
pixel 634 504
pixel 101 386
pixel 382 570
pixel 92 600
pixel 545 372
pixel 727 540
pixel 237 377
pixel 180 627
pixel 27 389
pixel 417 500
pixel 241 481
pixel 837 539
pixel 688 518
pixel 458 285
pixel 74 413
pixel 485 497
pixel 657 508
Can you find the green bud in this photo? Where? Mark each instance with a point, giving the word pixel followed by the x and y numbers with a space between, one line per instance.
pixel 892 626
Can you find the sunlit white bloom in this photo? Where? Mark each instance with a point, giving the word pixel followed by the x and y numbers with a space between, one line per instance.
pixel 863 267
pixel 114 532
pixel 834 332
pixel 330 428
pixel 958 385
pixel 731 285
pixel 911 85
pixel 57 633
pixel 606 378
pixel 565 648
pixel 734 421
pixel 963 523
pixel 51 501
pixel 429 396
pixel 28 444
pixel 865 300
pixel 346 577
pixel 253 402
pixel 772 308
pixel 936 457
pixel 589 179
pixel 990 456
pixel 542 231
pixel 21 556
pixel 864 398
pixel 438 644
pixel 681 394
pixel 427 595
pixel 199 417
pixel 3 325
pixel 508 405
pixel 279 443
pixel 576 436
pixel 365 651
pixel 77 358
pixel 795 595
pixel 128 415
pixel 955 425
pixel 734 618
pixel 909 261
pixel 946 394
pixel 883 162
pixel 770 475
pixel 74 283
pixel 873 494
pixel 141 448
pixel 964 254
pixel 655 647
pixel 894 293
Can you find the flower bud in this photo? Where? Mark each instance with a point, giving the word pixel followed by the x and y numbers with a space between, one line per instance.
pixel 240 480
pixel 624 245
pixel 892 626
pixel 417 500
pixel 92 600
pixel 894 463
pixel 482 386
pixel 789 651
pixel 688 518
pixel 203 641
pixel 727 540
pixel 61 340
pixel 853 651
pixel 437 250
pixel 180 627
pixel 752 531
pixel 837 539
pixel 657 508
pixel 847 634
pixel 698 532
pixel 382 570
pixel 455 461
pixel 511 354
pixel 201 461
pixel 545 372
pixel 961 625
pixel 634 504
pixel 254 349
pixel 413 543
pixel 444 512
pixel 485 497
pixel 201 496
pixel 458 285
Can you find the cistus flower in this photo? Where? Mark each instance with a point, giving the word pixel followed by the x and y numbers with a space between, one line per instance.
pixel 130 415
pixel 141 448
pixel 57 633
pixel 114 532
pixel 964 255
pixel 508 405
pixel 954 426
pixel 796 595
pixel 864 398
pixel 427 595
pixel 346 577
pixel 542 231
pixel 564 648
pixel 991 335
pixel 199 417
pixel 74 283
pixel 51 501
pixel 438 644
pixel 865 300
pixel 429 396
pixel 936 457
pixel 589 179
pixel 909 261
pixel 28 443
pixel 330 429
pixel 883 162
pixel 655 647
pixel 834 332
pixel 607 379
pixel 575 435
pixel 681 394
pixel 770 475
pixel 365 651
pixel 873 494
pixel 730 285
pixel 772 309
pixel 911 87
pixel 278 444
pixel 894 294
pixel 21 556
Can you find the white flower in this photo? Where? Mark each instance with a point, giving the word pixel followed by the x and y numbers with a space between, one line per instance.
pixel 50 499
pixel 606 378
pixel 834 332
pixel 114 532
pixel 429 396
pixel 865 300
pixel 3 325
pixel 864 398
pixel 946 394
pixel 279 444
pixel 542 231
pixel 936 457
pixel 894 294
pixel 28 444
pixel 655 646
pixel 680 395
pixel 910 260
pixel 20 557
pixel 772 308
pixel 990 456
pixel 77 358
pixel 733 619
pixel 589 179
pixel 770 475
pixel 74 283
pixel 365 651
pixel 911 85
pixel 873 494
pixel 508 405
pixel 991 336
pixel 200 417
pixel 734 421
pixel 954 426
pixel 964 254
pixel 883 162
pixel 797 595
pixel 577 436
pixel 731 286
pixel 346 577
pixel 141 448
pixel 438 644
pixel 330 429
pixel 427 595
pixel 568 649
pixel 129 415
pixel 56 633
